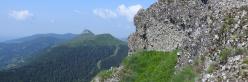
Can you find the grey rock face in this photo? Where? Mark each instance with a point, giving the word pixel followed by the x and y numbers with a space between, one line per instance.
pixel 197 28
pixel 213 30
pixel 169 24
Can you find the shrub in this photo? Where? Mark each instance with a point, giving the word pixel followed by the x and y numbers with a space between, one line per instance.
pixel 211 68
pixel 245 61
pixel 224 54
pixel 227 52
pixel 228 21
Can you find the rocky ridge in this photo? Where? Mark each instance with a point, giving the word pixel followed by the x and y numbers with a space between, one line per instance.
pixel 214 32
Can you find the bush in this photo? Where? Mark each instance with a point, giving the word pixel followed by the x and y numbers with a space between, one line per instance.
pixel 224 54
pixel 211 68
pixel 245 61
pixel 227 52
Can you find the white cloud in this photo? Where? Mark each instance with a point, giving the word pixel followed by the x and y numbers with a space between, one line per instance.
pixel 20 15
pixel 122 10
pixel 129 11
pixel 105 13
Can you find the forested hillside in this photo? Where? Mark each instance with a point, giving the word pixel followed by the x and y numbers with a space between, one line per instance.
pixel 77 60
pixel 14 52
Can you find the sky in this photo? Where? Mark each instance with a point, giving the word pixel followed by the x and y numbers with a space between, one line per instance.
pixel 19 18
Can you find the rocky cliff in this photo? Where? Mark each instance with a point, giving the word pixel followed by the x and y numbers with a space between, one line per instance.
pixel 211 33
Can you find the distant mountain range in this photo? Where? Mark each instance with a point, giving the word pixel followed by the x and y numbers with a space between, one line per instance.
pixel 64 58
pixel 38 36
pixel 13 52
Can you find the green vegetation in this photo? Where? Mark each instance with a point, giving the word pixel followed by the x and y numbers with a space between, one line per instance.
pixel 228 21
pixel 227 25
pixel 73 61
pixel 224 54
pixel 91 39
pixel 211 68
pixel 245 61
pixel 13 52
pixel 198 63
pixel 105 74
pixel 227 52
pixel 241 51
pixel 245 8
pixel 185 75
pixel 153 66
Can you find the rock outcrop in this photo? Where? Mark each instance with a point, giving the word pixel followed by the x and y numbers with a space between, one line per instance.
pixel 199 28
pixel 214 31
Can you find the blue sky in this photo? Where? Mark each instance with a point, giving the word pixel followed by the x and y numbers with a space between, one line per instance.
pixel 20 18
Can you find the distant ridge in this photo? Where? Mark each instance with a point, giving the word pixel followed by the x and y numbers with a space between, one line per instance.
pixel 13 52
pixel 53 35
pixel 76 60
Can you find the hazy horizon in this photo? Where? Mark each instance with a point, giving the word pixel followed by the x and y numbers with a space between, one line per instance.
pixel 21 18
pixel 3 39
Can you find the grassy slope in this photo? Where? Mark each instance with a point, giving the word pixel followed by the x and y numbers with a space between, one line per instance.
pixel 152 66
